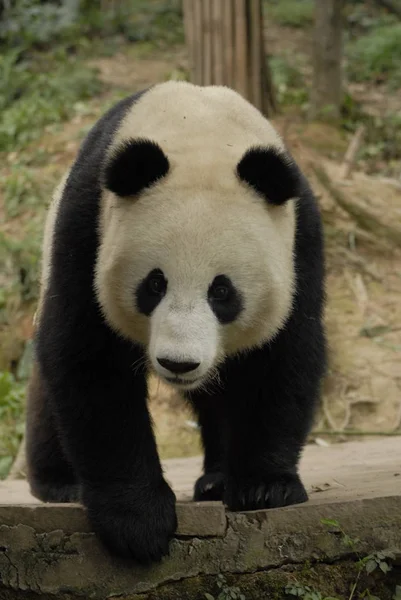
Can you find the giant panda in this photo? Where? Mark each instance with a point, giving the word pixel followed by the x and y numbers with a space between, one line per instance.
pixel 184 241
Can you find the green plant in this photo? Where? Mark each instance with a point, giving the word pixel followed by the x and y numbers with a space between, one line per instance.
pixel 32 22
pixel 397 593
pixel 19 264
pixel 378 560
pixel 11 418
pixel 32 96
pixel 288 81
pixel 157 21
pixel 305 592
pixel 376 55
pixel 226 592
pixel 381 149
pixel 368 563
pixel 292 13
pixel 21 190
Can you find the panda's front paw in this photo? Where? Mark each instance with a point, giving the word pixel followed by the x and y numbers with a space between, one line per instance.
pixel 209 487
pixel 133 522
pixel 59 492
pixel 268 491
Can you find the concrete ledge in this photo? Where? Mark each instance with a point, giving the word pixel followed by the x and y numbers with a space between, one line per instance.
pixel 57 562
pixel 49 549
pixel 206 519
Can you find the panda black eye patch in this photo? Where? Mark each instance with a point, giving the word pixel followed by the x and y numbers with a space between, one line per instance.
pixel 271 173
pixel 150 291
pixel 133 166
pixel 224 299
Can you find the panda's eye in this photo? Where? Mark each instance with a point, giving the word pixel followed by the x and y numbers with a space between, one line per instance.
pixel 224 299
pixel 157 284
pixel 219 293
pixel 221 289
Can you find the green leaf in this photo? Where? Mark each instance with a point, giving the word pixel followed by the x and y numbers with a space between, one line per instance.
pixel 209 596
pixel 397 594
pixel 370 566
pixel 330 522
pixel 385 567
pixel 348 541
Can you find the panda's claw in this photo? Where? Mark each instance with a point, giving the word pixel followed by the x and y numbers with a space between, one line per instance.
pixel 275 490
pixel 209 487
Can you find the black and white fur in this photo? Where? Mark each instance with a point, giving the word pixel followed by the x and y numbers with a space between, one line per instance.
pixel 185 238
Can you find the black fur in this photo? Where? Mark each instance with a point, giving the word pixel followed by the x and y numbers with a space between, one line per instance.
pixel 267 397
pixel 95 399
pixel 134 166
pixel 147 298
pixel 271 173
pixel 89 429
pixel 225 308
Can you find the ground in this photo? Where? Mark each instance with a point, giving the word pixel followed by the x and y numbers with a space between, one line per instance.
pixel 344 543
pixel 362 392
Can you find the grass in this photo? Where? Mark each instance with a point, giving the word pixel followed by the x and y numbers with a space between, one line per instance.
pixel 288 81
pixel 290 13
pixel 11 418
pixel 376 55
pixel 35 94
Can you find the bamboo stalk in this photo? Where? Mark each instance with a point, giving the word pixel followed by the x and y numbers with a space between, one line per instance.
pixel 207 43
pixel 256 51
pixel 226 47
pixel 241 48
pixel 229 42
pixel 189 24
pixel 218 38
pixel 198 42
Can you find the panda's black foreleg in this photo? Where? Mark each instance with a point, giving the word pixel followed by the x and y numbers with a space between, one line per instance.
pixel 271 397
pixel 99 400
pixel 211 418
pixel 51 476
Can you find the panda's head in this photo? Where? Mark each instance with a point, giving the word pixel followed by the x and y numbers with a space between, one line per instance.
pixel 197 230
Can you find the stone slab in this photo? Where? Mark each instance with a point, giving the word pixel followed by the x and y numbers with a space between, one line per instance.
pixel 344 471
pixel 50 549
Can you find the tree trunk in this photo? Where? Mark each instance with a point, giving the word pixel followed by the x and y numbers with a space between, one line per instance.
pixel 226 47
pixel 326 94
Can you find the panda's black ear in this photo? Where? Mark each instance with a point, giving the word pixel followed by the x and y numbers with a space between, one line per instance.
pixel 272 173
pixel 134 165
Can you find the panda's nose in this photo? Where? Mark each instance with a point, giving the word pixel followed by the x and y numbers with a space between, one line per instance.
pixel 178 367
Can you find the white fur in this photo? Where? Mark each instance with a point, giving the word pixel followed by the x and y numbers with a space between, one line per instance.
pixel 198 222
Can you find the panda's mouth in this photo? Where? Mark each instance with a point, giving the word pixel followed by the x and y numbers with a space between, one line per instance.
pixel 181 382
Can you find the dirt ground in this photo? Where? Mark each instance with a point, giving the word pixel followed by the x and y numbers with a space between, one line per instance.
pixel 363 388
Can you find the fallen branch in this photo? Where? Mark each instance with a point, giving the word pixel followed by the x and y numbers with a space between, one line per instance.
pixel 358 261
pixel 365 219
pixel 352 150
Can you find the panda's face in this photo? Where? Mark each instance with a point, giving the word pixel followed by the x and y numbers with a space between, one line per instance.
pixel 197 229
pixel 194 271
